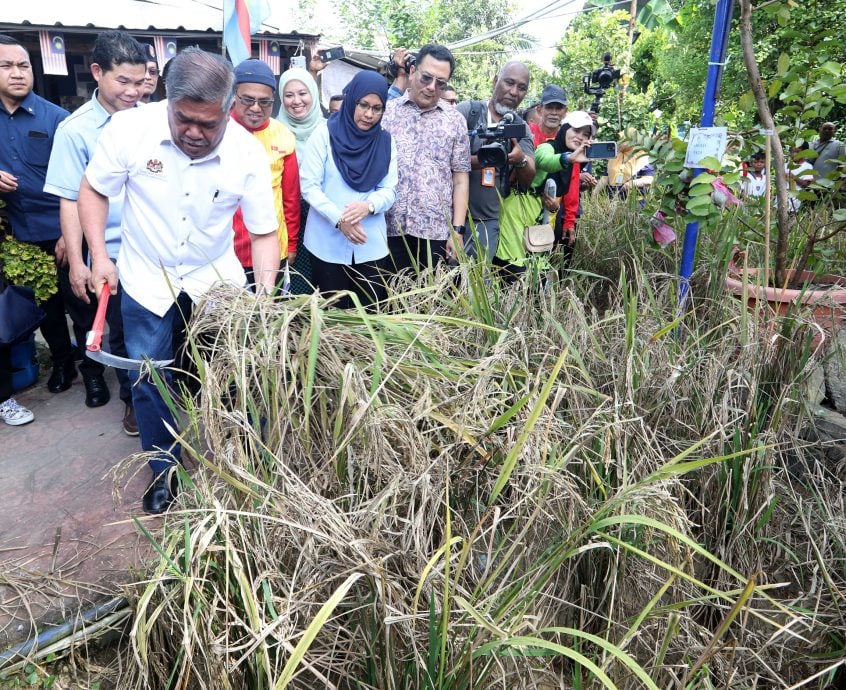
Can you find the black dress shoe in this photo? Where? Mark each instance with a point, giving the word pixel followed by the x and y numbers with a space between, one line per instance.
pixel 62 377
pixel 96 390
pixel 162 492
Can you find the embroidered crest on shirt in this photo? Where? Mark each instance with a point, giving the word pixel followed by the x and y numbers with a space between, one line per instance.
pixel 154 165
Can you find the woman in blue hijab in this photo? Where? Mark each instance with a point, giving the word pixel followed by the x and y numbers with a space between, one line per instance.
pixel 348 174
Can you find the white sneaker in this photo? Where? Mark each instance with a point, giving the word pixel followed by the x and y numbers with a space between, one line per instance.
pixel 14 413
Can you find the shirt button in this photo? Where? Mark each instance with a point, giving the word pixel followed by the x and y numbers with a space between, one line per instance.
pixel 183 218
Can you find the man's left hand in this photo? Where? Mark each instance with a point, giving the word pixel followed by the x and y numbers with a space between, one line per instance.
pixel 61 252
pixel 516 156
pixel 454 242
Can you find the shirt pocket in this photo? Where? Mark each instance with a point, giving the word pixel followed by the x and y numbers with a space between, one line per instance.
pixel 37 147
pixel 221 209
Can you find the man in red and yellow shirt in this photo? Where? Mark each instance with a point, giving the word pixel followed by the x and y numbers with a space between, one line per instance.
pixel 255 86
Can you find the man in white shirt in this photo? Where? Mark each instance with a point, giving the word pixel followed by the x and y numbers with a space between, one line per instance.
pixel 184 170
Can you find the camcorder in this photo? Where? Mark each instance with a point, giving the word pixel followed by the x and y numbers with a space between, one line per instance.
pixel 494 152
pixel 393 67
pixel 600 80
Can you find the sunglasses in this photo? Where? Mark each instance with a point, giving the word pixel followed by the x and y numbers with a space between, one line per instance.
pixel 249 102
pixel 426 79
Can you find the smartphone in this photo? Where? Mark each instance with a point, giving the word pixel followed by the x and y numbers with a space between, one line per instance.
pixel 550 189
pixel 602 149
pixel 329 54
pixel 298 61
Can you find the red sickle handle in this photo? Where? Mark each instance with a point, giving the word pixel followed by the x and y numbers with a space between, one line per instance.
pixel 95 335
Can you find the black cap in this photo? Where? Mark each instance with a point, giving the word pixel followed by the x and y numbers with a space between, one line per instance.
pixel 552 93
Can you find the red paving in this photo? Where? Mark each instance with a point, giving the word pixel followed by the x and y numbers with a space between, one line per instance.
pixel 65 539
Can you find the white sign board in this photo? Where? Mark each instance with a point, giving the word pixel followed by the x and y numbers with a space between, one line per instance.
pixel 704 142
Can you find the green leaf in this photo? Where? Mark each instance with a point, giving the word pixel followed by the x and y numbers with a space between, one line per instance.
pixel 710 163
pixel 783 64
pixel 700 190
pixel 747 102
pixel 703 178
pixel 840 214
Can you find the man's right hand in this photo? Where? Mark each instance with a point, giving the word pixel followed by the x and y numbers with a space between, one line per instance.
pixel 103 271
pixel 400 56
pixel 79 276
pixel 8 182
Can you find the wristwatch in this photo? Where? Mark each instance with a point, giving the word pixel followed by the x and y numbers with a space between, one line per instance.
pixel 459 229
pixel 523 163
pixel 371 208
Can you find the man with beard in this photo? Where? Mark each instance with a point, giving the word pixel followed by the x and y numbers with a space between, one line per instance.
pixel 509 89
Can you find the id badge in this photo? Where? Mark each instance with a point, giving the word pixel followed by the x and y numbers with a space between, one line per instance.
pixel 488 177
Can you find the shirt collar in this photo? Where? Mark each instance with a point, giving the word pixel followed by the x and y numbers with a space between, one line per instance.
pixel 405 99
pixel 161 128
pixel 28 105
pixel 103 116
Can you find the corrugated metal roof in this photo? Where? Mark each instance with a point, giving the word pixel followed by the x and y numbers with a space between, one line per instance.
pixel 132 15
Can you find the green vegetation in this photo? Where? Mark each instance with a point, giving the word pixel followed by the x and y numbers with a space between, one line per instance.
pixel 554 484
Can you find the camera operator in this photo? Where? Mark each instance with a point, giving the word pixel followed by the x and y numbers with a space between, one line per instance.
pixel 399 67
pixel 487 182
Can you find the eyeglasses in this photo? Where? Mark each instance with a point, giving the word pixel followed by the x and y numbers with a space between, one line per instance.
pixel 451 101
pixel 249 102
pixel 153 72
pixel 364 107
pixel 426 79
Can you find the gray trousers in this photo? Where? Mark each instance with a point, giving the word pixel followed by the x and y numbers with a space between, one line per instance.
pixel 487 232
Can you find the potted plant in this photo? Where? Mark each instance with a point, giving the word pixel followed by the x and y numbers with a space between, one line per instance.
pixel 807 86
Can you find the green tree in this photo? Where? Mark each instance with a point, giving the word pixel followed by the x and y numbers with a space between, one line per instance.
pixel 387 24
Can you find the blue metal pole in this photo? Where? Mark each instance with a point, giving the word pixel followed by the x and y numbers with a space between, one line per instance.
pixel 716 63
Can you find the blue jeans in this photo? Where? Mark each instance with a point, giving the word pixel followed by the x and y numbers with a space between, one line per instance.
pixel 147 335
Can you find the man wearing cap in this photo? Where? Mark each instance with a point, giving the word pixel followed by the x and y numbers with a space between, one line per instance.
pixel 255 86
pixel 552 109
pixel 185 168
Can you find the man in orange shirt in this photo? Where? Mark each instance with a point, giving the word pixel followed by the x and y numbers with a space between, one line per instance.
pixel 255 86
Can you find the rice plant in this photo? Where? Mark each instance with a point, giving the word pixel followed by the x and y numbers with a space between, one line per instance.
pixel 560 483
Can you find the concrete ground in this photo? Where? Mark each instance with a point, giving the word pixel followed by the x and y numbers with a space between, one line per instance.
pixel 66 534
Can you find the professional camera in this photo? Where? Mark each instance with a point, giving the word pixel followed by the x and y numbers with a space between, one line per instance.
pixel 494 153
pixel 600 80
pixel 393 67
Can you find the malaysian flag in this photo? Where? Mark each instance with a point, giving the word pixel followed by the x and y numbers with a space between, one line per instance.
pixel 53 53
pixel 165 49
pixel 269 53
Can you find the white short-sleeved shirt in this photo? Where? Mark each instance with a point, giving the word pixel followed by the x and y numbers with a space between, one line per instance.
pixel 176 230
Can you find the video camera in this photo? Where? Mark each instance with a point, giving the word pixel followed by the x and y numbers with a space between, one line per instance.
pixel 393 67
pixel 494 153
pixel 600 80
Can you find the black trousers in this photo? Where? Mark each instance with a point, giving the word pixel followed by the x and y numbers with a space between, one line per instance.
pixel 415 253
pixel 54 328
pixel 82 317
pixel 5 373
pixel 366 280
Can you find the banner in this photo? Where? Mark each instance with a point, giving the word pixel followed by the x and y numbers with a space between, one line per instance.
pixel 241 19
pixel 269 52
pixel 53 58
pixel 166 49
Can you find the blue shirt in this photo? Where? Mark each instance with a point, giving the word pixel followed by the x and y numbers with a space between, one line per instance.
pixel 26 137
pixel 76 139
pixel 326 191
